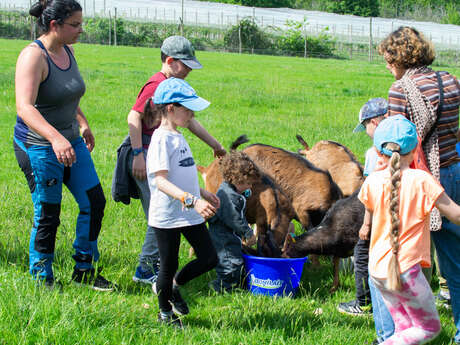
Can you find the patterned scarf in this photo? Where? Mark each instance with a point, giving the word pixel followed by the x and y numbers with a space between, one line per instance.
pixel 422 113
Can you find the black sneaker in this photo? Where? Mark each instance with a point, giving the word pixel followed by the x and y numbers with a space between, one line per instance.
pixel 353 308
pixel 171 319
pixel 86 277
pixel 179 305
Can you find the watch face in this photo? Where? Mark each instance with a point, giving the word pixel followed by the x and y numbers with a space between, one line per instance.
pixel 188 202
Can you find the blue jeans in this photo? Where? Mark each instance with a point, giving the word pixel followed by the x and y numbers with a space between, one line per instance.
pixel 150 255
pixel 46 176
pixel 384 325
pixel 447 242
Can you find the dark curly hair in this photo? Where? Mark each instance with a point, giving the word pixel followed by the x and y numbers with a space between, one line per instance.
pixel 47 10
pixel 237 168
pixel 407 48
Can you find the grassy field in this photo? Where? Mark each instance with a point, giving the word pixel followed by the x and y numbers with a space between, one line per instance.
pixel 270 99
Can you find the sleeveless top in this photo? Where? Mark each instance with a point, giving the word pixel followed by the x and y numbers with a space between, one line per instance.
pixel 57 101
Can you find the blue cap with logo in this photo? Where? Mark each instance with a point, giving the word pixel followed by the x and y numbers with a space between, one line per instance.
pixel 179 47
pixel 373 108
pixel 175 90
pixel 396 129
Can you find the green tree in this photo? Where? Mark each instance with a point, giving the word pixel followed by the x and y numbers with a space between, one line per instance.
pixel 364 8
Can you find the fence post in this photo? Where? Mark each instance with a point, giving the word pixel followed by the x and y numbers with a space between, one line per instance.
pixel 240 44
pixel 350 40
pixel 110 29
pixel 115 28
pixel 94 8
pixel 84 6
pixel 104 7
pixel 370 39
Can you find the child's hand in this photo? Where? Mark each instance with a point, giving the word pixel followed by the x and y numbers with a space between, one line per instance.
pixel 210 197
pixel 204 208
pixel 219 152
pixel 364 232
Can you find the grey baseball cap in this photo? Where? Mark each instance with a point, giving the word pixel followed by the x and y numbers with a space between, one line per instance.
pixel 179 47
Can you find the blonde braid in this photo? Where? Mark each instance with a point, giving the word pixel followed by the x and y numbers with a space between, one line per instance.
pixel 394 279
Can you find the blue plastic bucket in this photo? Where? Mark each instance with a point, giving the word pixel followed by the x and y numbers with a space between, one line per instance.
pixel 273 276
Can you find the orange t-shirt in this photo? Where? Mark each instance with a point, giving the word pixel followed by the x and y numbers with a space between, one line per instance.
pixel 418 194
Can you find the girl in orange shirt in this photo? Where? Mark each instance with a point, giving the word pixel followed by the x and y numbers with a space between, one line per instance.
pixel 398 202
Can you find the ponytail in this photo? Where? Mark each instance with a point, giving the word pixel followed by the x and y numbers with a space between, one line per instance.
pixel 153 112
pixel 47 10
pixel 394 274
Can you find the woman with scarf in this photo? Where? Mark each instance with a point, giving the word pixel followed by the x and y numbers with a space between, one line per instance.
pixel 431 100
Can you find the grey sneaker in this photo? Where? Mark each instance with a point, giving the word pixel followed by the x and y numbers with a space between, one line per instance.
pixel 353 308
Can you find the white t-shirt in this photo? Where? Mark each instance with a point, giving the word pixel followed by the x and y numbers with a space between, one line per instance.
pixel 370 162
pixel 169 151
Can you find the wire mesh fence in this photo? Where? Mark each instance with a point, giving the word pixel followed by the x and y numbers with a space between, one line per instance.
pixel 146 26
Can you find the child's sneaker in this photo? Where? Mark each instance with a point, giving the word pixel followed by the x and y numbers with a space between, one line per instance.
pixel 146 277
pixel 87 277
pixel 443 299
pixel 353 308
pixel 170 319
pixel 179 305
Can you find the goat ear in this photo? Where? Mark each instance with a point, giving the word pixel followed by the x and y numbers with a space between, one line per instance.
pixel 288 241
pixel 302 152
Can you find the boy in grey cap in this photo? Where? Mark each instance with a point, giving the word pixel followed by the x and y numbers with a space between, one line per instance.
pixel 370 115
pixel 178 59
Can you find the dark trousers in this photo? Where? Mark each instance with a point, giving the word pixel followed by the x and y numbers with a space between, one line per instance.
pixel 168 244
pixel 361 258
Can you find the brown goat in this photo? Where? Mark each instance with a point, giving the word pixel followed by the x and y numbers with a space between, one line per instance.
pixel 341 163
pixel 310 190
pixel 268 207
pixel 336 235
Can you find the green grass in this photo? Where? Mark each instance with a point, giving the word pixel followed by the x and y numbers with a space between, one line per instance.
pixel 268 98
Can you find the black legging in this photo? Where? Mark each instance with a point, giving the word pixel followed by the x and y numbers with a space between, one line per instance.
pixel 168 244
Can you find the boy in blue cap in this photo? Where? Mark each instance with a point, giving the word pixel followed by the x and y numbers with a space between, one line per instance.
pixel 177 203
pixel 177 60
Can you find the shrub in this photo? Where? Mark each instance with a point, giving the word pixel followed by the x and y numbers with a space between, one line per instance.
pixel 292 41
pixel 251 36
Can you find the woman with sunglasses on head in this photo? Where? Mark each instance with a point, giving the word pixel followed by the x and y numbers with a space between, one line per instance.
pixel 53 141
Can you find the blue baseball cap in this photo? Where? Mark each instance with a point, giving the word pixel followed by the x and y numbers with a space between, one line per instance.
pixel 175 90
pixel 373 108
pixel 396 129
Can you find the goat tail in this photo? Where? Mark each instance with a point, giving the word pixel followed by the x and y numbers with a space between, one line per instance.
pixel 302 142
pixel 242 139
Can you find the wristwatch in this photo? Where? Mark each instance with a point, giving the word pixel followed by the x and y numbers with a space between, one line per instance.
pixel 188 200
pixel 137 151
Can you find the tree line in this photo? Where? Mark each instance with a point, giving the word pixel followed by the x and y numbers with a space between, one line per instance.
pixel 444 11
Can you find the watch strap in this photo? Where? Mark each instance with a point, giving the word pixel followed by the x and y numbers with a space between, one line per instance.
pixel 137 150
